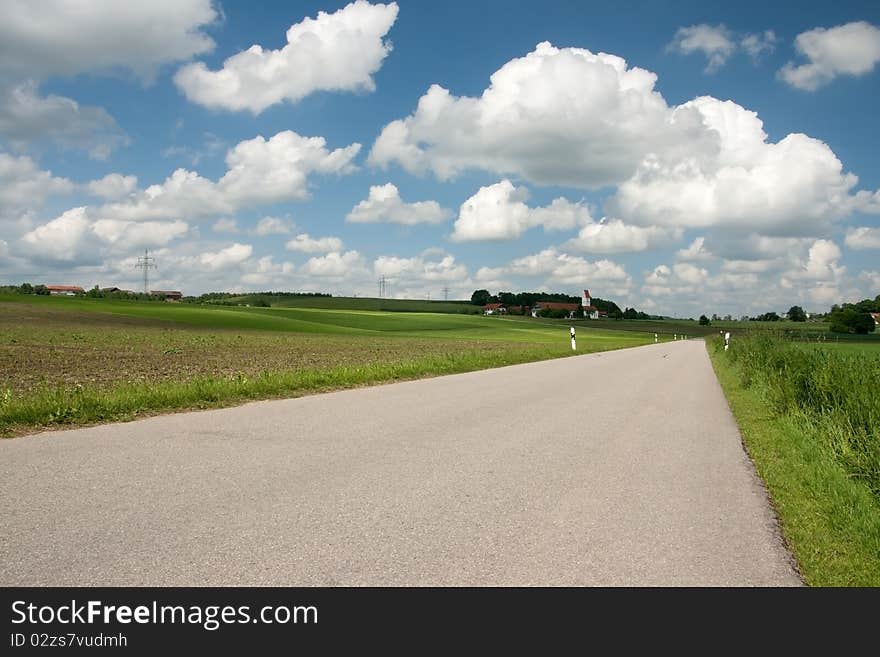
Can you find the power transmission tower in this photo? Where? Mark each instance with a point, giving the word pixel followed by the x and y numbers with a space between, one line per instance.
pixel 147 262
pixel 446 294
pixel 383 287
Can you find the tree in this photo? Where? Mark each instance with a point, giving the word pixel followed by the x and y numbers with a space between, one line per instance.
pixel 41 290
pixel 25 288
pixel 704 321
pixel 480 297
pixel 797 314
pixel 850 320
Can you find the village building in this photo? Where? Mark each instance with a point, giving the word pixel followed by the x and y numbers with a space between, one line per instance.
pixel 876 317
pixel 494 309
pixel 590 311
pixel 571 308
pixel 168 295
pixel 64 290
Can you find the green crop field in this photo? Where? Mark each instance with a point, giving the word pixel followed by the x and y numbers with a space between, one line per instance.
pixel 73 361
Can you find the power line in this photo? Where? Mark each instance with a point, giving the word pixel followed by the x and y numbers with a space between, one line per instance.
pixel 446 294
pixel 147 262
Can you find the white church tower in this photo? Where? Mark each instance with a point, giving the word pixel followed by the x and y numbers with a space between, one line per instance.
pixel 589 310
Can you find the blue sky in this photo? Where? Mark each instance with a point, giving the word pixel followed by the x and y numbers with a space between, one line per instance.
pixel 705 162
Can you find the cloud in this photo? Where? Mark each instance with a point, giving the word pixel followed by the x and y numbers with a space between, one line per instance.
pixel 566 269
pixel 385 205
pixel 225 226
pixel 259 171
pixel 138 234
pixel 24 186
pixel 499 212
pixel 306 244
pixel 614 236
pixel 850 49
pixel 872 278
pixel 271 226
pixel 758 44
pixel 65 38
pixel 76 238
pixel 794 186
pixel 27 117
pixel 113 186
pixel 863 237
pixel 821 264
pixel 229 257
pixel 333 52
pixel 556 116
pixel 714 41
pixel 336 265
pixel 569 117
pixel 420 269
pixel 697 251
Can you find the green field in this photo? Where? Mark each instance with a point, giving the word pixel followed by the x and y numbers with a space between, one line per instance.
pixel 358 303
pixel 72 361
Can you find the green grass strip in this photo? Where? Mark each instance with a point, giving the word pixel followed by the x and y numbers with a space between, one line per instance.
pixel 830 518
pixel 50 407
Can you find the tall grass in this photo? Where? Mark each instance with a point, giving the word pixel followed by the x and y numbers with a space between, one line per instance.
pixel 833 396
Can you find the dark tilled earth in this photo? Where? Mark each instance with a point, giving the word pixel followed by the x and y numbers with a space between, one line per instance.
pixel 40 346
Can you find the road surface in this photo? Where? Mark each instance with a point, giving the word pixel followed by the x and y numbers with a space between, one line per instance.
pixel 619 468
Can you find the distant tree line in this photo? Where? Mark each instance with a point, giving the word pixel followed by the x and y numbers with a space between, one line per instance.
pixel 526 300
pixel 854 317
pixel 250 298
pixel 94 293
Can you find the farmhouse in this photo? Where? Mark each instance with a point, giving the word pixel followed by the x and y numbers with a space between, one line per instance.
pixel 169 295
pixel 64 290
pixel 571 308
pixel 494 309
pixel 876 317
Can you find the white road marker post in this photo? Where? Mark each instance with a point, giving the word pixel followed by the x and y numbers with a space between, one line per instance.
pixel 727 341
pixel 655 337
pixel 573 343
pixel 675 336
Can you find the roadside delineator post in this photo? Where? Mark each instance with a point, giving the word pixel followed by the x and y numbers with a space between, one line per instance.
pixel 655 337
pixel 573 343
pixel 727 341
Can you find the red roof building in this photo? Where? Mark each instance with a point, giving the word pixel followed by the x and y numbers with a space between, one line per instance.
pixel 64 290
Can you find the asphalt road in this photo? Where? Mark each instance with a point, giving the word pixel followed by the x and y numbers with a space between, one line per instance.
pixel 619 468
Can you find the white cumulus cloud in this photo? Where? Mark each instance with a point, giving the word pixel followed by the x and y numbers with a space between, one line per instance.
pixel 335 265
pixel 850 49
pixel 614 236
pixel 259 171
pixel 499 212
pixel 24 186
pixel 863 237
pixel 113 186
pixel 306 244
pixel 796 185
pixel 385 205
pixel 333 52
pixel 271 226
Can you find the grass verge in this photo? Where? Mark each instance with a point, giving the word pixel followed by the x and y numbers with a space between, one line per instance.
pixel 818 474
pixel 65 406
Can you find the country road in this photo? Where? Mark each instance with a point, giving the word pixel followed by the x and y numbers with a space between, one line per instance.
pixel 617 468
